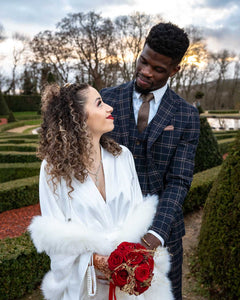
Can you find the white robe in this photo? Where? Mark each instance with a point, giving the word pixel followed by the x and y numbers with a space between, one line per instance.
pixel 71 230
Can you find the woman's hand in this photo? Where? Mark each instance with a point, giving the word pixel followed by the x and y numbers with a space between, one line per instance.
pixel 100 262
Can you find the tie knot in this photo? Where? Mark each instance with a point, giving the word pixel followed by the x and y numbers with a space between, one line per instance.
pixel 147 97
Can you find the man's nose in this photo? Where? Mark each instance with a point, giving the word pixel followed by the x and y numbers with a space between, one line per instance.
pixel 147 71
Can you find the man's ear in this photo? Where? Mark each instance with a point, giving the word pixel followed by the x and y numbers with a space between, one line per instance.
pixel 175 70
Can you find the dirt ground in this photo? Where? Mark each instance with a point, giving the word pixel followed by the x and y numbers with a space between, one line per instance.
pixel 193 225
pixel 21 129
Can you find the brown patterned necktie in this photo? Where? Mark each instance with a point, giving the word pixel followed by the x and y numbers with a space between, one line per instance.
pixel 143 113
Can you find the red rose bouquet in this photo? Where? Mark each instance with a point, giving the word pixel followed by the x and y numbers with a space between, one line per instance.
pixel 131 266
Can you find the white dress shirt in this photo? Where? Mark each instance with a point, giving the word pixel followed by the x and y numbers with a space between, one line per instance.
pixel 154 105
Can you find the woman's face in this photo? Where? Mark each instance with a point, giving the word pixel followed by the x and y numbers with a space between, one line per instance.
pixel 99 118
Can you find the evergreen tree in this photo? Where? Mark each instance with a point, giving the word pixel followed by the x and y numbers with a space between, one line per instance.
pixel 219 244
pixel 4 110
pixel 207 154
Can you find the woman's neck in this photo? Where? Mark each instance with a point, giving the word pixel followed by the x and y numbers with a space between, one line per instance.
pixel 96 152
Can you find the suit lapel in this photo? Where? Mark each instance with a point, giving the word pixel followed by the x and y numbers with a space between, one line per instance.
pixel 124 109
pixel 162 118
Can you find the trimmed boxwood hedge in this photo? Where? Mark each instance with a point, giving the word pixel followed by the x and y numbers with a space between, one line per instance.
pixel 19 193
pixel 201 185
pixel 18 136
pixel 219 242
pixel 23 102
pixel 16 157
pixel 22 148
pixel 207 153
pixel 21 267
pixel 16 171
pixel 225 145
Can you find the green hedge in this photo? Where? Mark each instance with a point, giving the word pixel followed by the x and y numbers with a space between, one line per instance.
pixel 19 193
pixel 23 102
pixel 225 145
pixel 16 141
pixel 21 267
pixel 9 126
pixel 219 240
pixel 225 136
pixel 16 171
pixel 223 111
pixel 17 136
pixel 23 148
pixel 201 185
pixel 16 157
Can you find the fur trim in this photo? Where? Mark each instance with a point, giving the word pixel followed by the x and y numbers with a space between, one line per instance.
pixel 57 237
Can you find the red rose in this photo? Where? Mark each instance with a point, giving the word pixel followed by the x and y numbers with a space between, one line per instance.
pixel 125 246
pixel 115 259
pixel 150 262
pixel 120 277
pixel 139 246
pixel 142 272
pixel 140 288
pixel 134 257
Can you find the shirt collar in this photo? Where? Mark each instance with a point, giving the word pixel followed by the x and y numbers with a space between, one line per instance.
pixel 158 94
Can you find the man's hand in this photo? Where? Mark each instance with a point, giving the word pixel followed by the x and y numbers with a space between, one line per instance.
pixel 150 241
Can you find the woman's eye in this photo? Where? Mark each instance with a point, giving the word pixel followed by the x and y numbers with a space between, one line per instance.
pixel 99 103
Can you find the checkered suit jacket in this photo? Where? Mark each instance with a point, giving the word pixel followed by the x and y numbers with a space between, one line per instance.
pixel 171 147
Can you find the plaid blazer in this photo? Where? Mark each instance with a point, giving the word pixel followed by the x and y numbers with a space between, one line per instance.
pixel 171 147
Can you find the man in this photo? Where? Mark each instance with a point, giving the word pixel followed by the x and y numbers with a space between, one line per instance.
pixel 162 133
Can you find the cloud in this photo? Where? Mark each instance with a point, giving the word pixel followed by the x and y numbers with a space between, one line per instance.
pixel 220 3
pixel 45 13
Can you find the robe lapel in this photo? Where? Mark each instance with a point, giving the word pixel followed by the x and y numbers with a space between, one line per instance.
pixel 162 118
pixel 124 109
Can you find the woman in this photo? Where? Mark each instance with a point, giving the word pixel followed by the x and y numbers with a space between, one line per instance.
pixel 90 198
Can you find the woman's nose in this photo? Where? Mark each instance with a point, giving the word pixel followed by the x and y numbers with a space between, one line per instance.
pixel 109 108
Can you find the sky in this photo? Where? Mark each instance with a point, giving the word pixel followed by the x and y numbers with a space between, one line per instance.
pixel 219 19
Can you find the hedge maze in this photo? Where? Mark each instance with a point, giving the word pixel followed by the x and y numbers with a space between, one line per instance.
pixel 21 267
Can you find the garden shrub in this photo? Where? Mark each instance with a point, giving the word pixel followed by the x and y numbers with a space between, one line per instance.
pixel 225 145
pixel 17 171
pixel 4 110
pixel 21 267
pixel 23 148
pixel 23 102
pixel 201 185
pixel 207 154
pixel 19 193
pixel 223 111
pixel 219 243
pixel 6 157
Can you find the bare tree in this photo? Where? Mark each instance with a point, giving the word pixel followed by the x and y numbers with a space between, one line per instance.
pixel 53 49
pixel 91 39
pixel 21 43
pixel 222 60
pixel 130 33
pixel 2 36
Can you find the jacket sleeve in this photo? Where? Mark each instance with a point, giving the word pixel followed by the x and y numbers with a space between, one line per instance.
pixel 178 181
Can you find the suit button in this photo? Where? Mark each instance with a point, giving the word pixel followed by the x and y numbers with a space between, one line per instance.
pixel 138 142
pixel 134 156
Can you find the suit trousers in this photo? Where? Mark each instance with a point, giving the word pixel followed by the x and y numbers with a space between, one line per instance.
pixel 175 274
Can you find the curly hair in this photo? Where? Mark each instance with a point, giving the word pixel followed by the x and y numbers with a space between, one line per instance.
pixel 169 40
pixel 65 142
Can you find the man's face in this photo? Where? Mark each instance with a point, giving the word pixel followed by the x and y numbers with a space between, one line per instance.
pixel 153 70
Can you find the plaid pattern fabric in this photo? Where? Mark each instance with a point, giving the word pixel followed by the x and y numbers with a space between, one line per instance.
pixel 175 274
pixel 169 156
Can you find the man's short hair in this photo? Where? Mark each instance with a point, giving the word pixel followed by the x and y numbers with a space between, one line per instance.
pixel 169 40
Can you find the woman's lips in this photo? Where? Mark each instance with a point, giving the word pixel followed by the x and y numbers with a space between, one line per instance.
pixel 110 117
